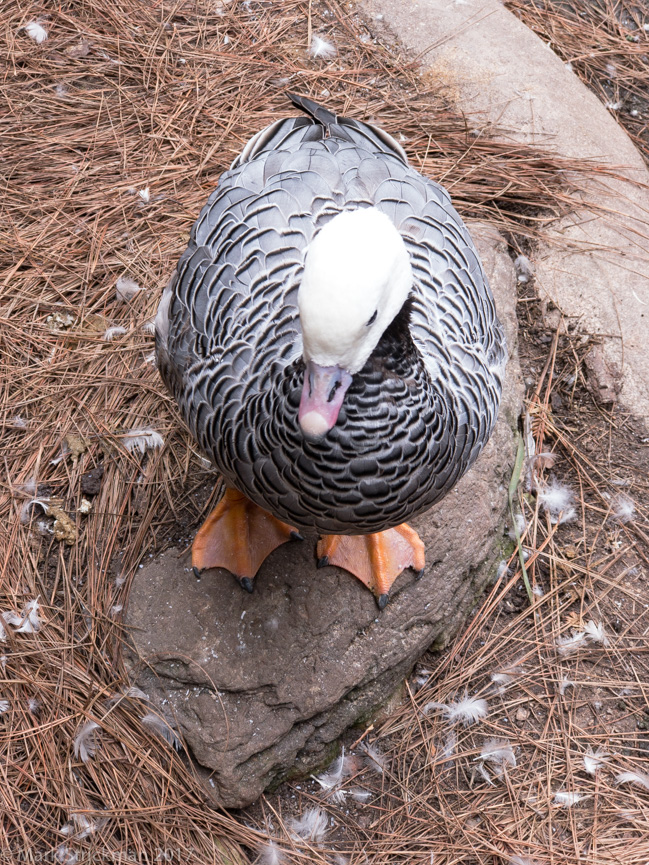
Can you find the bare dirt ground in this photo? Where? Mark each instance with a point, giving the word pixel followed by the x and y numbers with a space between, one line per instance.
pixel 114 130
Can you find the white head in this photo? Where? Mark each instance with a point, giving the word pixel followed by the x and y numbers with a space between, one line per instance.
pixel 356 278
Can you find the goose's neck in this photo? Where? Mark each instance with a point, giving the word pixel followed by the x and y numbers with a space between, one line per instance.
pixel 396 350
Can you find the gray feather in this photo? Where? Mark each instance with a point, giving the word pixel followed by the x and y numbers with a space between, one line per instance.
pixel 229 344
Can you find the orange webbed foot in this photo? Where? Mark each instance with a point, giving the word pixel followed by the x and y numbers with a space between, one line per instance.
pixel 377 560
pixel 238 535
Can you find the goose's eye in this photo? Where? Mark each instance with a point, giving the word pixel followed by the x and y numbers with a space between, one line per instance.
pixel 372 319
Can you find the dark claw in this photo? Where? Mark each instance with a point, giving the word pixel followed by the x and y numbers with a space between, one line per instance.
pixel 296 536
pixel 247 584
pixel 419 574
pixel 323 562
pixel 197 573
pixel 382 601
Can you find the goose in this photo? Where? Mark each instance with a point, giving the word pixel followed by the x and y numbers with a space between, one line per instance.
pixel 331 340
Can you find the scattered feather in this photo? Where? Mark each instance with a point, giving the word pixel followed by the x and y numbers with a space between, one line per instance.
pixel 21 423
pixel 595 633
pixel 468 710
pixel 545 460
pixel 558 500
pixel 85 745
pixel 111 332
pixel 638 778
pixel 524 860
pixel 126 289
pixel 29 622
pixel 145 195
pixel 321 48
pixel 332 778
pixel 375 759
pixel 32 621
pixel 418 682
pixel 567 645
pixel 503 570
pixel 311 826
pixel 4 706
pixel 26 511
pixel 567 800
pixel 36 31
pixel 135 693
pixel 80 826
pixel 502 678
pixel 538 591
pixel 565 683
pixel 149 326
pixel 483 771
pixel 65 856
pixel 142 440
pixel 623 508
pixel 270 854
pixel 359 795
pixel 524 269
pixel 116 609
pixel 33 705
pixel 131 692
pixel 162 729
pixel 449 746
pixel 519 527
pixel 499 752
pixel 594 760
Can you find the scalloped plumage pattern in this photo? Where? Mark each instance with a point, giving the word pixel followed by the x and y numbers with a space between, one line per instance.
pixel 229 345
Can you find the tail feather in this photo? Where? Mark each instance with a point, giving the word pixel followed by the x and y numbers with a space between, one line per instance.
pixel 320 115
pixel 339 127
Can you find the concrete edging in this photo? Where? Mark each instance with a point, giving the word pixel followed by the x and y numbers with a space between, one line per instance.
pixel 594 266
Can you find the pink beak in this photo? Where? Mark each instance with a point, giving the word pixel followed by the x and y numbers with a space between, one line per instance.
pixel 323 393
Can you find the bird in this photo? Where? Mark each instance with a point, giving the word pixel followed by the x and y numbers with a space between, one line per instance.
pixel 332 343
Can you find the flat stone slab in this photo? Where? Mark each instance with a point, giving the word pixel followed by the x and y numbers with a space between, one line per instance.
pixel 261 685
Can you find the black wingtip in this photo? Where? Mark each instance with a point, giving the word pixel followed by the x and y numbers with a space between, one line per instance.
pixel 296 536
pixel 382 601
pixel 247 584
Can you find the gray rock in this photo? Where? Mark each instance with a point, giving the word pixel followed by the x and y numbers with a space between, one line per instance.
pixel 261 685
